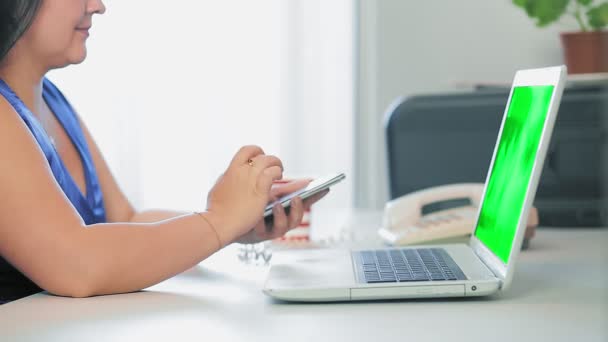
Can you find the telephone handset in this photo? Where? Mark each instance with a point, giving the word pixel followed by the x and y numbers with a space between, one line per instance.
pixel 405 221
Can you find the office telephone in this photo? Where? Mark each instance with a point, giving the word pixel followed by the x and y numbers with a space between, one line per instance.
pixel 445 213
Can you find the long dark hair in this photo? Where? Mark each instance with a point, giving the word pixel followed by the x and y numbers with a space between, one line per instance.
pixel 16 16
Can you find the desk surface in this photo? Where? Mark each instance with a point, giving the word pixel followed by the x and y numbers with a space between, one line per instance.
pixel 560 293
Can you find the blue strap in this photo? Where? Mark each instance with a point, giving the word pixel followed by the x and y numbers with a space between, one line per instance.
pixel 91 208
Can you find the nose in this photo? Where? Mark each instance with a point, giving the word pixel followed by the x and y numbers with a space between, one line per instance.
pixel 96 6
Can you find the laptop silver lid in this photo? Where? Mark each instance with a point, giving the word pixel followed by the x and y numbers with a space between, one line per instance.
pixel 516 166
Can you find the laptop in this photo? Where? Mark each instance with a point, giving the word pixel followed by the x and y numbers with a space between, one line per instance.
pixel 482 267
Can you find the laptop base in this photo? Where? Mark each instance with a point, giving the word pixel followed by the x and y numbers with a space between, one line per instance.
pixel 328 275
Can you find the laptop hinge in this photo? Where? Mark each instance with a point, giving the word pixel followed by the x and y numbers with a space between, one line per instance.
pixel 488 259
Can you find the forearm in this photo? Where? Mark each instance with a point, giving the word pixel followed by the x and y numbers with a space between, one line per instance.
pixel 131 257
pixel 154 215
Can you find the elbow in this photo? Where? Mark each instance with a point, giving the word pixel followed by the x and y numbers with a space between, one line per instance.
pixel 74 287
pixel 76 281
pixel 72 291
pixel 71 269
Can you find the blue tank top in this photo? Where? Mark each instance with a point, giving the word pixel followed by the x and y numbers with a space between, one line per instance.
pixel 13 284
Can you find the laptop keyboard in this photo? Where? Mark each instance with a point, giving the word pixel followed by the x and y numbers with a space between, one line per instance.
pixel 401 265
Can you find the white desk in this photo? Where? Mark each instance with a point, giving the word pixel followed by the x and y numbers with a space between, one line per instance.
pixel 560 293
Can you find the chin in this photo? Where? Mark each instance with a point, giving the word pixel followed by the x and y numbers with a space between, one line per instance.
pixel 74 55
pixel 78 57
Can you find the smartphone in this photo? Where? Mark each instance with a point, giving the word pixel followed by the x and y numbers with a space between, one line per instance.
pixel 314 187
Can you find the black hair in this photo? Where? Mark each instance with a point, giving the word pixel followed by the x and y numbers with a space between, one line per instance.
pixel 16 16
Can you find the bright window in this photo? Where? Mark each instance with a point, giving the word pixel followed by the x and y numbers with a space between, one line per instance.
pixel 171 90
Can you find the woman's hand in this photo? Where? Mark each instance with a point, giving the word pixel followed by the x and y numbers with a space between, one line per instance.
pixel 238 199
pixel 281 222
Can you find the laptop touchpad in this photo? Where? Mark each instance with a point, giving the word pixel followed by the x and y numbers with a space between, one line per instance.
pixel 317 268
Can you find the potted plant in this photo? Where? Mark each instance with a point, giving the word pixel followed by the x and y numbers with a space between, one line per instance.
pixel 585 51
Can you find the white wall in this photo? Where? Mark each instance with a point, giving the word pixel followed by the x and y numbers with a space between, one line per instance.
pixel 416 47
pixel 318 87
pixel 171 92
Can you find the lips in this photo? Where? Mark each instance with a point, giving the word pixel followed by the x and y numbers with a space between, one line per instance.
pixel 83 30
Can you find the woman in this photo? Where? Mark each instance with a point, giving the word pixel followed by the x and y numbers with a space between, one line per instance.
pixel 65 225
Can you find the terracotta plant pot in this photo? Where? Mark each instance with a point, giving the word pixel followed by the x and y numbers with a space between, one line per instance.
pixel 586 52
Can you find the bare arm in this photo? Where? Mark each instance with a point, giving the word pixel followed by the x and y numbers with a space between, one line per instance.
pixel 44 237
pixel 154 215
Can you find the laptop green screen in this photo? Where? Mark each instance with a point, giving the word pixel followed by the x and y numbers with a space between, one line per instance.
pixel 512 169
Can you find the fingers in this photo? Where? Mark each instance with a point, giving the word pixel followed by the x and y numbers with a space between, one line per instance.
pixel 273 225
pixel 279 190
pixel 267 177
pixel 296 213
pixel 245 153
pixel 266 169
pixel 314 198
pixel 281 222
pixel 262 162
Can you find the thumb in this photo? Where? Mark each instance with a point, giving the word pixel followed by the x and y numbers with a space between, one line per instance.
pixel 287 188
pixel 267 177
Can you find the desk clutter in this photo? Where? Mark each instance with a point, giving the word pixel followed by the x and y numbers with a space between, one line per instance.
pixel 340 234
pixel 297 238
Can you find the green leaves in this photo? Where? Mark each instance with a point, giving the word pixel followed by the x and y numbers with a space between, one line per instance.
pixel 544 12
pixel 598 16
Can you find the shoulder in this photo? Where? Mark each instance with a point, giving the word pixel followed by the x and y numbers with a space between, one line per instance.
pixel 19 149
pixel 16 131
pixel 8 115
pixel 6 108
pixel 4 105
pixel 12 128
